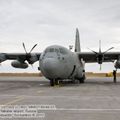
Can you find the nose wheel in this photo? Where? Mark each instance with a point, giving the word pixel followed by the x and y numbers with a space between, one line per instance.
pixel 54 82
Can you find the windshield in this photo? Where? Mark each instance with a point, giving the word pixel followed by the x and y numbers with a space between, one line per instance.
pixel 56 50
pixel 52 50
pixel 62 51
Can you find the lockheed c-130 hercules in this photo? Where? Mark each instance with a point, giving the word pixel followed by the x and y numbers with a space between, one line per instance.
pixel 58 63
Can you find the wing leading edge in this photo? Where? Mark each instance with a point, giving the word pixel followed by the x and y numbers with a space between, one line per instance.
pixel 90 57
pixel 21 57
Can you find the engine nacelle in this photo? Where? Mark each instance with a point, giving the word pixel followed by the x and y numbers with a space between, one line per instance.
pixel 117 64
pixel 18 64
pixel 2 57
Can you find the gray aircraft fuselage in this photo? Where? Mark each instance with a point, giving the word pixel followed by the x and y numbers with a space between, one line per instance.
pixel 57 62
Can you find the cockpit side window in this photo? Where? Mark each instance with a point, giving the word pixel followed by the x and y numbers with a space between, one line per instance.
pixel 56 50
pixel 62 51
pixel 46 50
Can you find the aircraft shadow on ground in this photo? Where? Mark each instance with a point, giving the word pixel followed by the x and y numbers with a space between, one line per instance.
pixel 34 84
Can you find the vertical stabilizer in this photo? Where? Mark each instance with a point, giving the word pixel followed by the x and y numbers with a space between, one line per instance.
pixel 77 41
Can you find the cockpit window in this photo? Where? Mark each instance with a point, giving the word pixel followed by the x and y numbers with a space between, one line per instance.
pixel 57 50
pixel 63 51
pixel 51 50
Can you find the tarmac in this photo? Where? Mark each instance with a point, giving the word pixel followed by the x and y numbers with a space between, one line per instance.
pixel 96 99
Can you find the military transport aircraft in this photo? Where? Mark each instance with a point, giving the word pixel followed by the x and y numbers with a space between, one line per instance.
pixel 59 63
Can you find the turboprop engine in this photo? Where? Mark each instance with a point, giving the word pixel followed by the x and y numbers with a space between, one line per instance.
pixel 2 57
pixel 117 64
pixel 18 64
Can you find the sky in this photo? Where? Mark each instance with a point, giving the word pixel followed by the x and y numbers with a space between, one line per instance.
pixel 48 22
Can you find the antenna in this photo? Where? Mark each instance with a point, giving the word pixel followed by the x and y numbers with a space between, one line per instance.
pixel 70 47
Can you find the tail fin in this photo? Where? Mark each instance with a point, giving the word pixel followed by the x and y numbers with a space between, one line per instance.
pixel 77 41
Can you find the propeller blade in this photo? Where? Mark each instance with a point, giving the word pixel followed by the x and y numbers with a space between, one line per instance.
pixel 108 50
pixel 92 51
pixel 33 48
pixel 99 46
pixel 24 48
pixel 32 66
pixel 100 67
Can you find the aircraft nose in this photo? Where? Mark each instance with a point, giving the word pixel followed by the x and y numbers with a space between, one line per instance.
pixel 50 66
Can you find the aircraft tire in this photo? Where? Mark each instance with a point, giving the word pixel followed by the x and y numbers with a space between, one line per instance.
pixel 52 82
pixel 56 82
pixel 82 80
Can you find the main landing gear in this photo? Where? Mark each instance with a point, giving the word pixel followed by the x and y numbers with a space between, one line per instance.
pixel 54 82
pixel 82 80
pixel 114 76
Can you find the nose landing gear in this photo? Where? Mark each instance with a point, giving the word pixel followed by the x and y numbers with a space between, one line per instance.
pixel 54 82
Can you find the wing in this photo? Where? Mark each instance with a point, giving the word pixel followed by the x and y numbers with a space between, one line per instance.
pixel 90 57
pixel 21 57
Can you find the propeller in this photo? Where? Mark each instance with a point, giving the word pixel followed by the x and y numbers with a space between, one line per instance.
pixel 30 50
pixel 28 54
pixel 100 54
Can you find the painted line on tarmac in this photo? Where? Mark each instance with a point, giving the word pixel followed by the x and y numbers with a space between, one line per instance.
pixel 17 99
pixel 75 109
pixel 40 91
pixel 8 95
pixel 41 84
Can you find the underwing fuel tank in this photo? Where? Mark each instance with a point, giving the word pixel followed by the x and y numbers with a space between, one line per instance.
pixel 18 64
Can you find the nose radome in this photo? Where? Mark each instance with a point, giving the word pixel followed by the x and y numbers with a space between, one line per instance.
pixel 51 66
